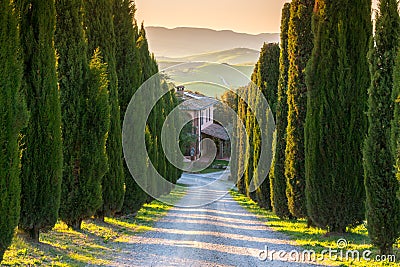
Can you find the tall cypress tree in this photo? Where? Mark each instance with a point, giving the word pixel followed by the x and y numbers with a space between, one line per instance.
pixel 13 118
pixel 127 55
pixel 128 71
pixel 381 185
pixel 300 44
pixel 100 34
pixel 395 144
pixel 337 81
pixel 279 200
pixel 42 159
pixel 241 141
pixel 84 100
pixel 266 78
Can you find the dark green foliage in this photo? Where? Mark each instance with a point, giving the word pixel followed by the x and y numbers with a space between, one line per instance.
pixel 187 138
pixel 277 173
pixel 135 197
pixel 128 71
pixel 84 100
pixel 265 82
pixel 300 44
pixel 126 53
pixel 13 117
pixel 240 141
pixel 381 185
pixel 100 34
pixel 266 79
pixel 337 81
pixel 267 74
pixel 250 123
pixel 42 159
pixel 395 144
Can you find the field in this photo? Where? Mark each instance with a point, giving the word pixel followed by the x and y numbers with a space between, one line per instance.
pixel 210 79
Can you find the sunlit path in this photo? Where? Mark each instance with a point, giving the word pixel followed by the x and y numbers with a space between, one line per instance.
pixel 221 233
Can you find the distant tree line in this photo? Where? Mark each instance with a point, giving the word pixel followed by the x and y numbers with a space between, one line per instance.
pixel 334 89
pixel 68 71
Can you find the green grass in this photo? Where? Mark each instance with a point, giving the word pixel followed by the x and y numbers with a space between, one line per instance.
pixel 215 162
pixel 209 170
pixel 317 239
pixel 94 244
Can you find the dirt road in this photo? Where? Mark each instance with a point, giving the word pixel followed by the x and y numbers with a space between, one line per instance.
pixel 221 233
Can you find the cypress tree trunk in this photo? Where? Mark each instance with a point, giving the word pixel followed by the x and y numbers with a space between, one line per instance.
pixel 381 185
pixel 279 200
pixel 100 34
pixel 300 43
pixel 337 81
pixel 42 158
pixel 84 99
pixel 13 117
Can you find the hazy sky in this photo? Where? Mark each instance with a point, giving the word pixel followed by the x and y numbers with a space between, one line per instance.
pixel 249 16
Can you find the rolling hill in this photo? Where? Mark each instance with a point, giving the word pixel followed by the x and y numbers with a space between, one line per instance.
pixel 204 60
pixel 186 41
pixel 236 56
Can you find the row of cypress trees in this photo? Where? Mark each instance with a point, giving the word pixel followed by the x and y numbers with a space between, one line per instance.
pixel 77 64
pixel 264 84
pixel 336 152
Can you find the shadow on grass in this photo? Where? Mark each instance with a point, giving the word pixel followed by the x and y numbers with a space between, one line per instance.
pixel 92 245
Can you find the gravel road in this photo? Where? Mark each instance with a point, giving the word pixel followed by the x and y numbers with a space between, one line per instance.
pixel 221 233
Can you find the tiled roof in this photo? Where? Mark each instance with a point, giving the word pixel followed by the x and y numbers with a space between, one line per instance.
pixel 198 103
pixel 217 131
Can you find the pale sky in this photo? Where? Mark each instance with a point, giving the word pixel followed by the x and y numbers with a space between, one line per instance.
pixel 247 16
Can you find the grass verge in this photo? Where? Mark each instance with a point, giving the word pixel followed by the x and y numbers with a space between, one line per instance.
pixel 215 162
pixel 316 239
pixel 93 245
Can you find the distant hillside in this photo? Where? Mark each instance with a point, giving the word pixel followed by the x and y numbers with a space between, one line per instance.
pixel 208 78
pixel 183 42
pixel 236 56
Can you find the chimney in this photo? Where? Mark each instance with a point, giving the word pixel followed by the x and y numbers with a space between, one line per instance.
pixel 180 90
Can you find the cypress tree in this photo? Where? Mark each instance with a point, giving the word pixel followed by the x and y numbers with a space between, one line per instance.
pixel 128 71
pixel 100 34
pixel 148 67
pixel 241 141
pixel 127 58
pixel 267 82
pixel 267 73
pixel 84 100
pixel 279 200
pixel 249 151
pixel 13 117
pixel 381 185
pixel 337 81
pixel 42 158
pixel 300 43
pixel 395 148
